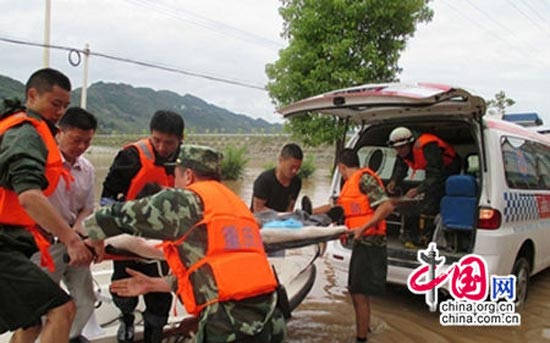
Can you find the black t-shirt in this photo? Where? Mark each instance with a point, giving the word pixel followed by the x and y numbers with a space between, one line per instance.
pixel 277 196
pixel 125 166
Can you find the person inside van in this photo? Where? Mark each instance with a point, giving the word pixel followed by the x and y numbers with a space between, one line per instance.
pixel 439 160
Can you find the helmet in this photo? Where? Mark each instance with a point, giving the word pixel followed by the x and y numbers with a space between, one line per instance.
pixel 400 136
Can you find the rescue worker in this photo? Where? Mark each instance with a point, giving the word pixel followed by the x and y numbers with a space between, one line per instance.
pixel 439 160
pixel 136 165
pixel 366 207
pixel 30 168
pixel 214 249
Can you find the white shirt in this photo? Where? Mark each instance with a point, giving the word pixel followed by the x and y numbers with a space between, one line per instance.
pixel 80 195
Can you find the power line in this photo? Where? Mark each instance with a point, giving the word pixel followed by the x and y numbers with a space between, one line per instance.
pixel 545 3
pixel 513 49
pixel 207 23
pixel 533 10
pixel 528 17
pixel 136 62
pixel 501 26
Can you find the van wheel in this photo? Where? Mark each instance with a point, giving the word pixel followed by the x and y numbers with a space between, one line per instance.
pixel 521 270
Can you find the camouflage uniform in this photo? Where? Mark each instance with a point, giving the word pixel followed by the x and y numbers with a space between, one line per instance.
pixel 433 189
pixel 368 264
pixel 376 194
pixel 170 214
pixel 433 185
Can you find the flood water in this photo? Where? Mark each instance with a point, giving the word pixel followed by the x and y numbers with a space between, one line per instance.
pixel 326 315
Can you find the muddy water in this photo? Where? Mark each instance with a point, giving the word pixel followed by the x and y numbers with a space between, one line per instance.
pixel 326 316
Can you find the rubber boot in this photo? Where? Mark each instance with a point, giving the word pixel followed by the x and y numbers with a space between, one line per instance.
pixel 152 334
pixel 125 333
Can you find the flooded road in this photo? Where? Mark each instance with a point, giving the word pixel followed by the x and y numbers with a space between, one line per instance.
pixel 326 315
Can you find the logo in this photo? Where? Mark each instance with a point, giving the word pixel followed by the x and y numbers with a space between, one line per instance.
pixel 469 286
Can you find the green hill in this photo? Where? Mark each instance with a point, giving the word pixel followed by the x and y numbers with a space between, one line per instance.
pixel 122 108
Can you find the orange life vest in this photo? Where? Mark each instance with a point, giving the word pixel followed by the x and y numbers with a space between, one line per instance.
pixel 11 211
pixel 235 255
pixel 418 152
pixel 149 172
pixel 356 205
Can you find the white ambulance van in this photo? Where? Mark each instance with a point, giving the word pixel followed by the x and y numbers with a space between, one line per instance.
pixel 505 175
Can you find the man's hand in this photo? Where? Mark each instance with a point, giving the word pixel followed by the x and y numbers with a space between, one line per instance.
pixel 357 233
pixel 79 254
pixel 138 284
pixel 391 187
pixel 412 193
pixel 344 238
pixel 98 247
pixel 133 286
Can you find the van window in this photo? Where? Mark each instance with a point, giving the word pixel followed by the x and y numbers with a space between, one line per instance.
pixel 385 156
pixel 526 163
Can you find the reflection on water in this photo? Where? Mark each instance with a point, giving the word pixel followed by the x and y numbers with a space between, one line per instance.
pixel 317 187
pixel 326 316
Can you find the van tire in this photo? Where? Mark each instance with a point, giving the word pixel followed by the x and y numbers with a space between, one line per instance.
pixel 522 271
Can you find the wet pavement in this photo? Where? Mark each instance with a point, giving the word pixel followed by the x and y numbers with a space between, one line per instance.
pixel 326 315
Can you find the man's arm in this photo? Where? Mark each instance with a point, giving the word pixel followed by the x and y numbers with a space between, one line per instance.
pixel 166 215
pixel 296 186
pixel 97 246
pixel 382 211
pixel 377 199
pixel 139 284
pixel 23 170
pixel 44 214
pixel 260 193
pixel 322 209
pixel 125 166
pixel 291 204
pixel 400 169
pixel 259 204
pixel 434 167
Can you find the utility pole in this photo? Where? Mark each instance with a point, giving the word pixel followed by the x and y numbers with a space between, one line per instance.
pixel 47 34
pixel 84 93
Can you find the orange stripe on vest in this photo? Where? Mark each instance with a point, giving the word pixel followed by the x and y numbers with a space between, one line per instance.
pixel 357 209
pixel 418 151
pixel 235 255
pixel 149 172
pixel 11 211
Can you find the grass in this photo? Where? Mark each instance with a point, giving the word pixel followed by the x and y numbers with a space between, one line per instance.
pixel 308 167
pixel 233 163
pixel 306 171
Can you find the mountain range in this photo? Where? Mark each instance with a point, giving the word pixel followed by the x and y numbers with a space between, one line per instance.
pixel 123 108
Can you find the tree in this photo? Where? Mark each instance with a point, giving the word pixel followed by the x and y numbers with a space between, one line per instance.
pixel 336 44
pixel 498 105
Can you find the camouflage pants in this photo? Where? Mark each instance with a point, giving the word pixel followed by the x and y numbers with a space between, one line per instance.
pixel 271 331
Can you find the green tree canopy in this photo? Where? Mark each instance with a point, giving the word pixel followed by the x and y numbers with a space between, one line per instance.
pixel 336 44
pixel 498 105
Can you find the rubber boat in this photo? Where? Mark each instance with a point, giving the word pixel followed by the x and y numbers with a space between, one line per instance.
pixel 296 272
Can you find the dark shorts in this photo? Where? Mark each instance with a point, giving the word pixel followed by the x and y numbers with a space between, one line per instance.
pixel 157 304
pixel 368 268
pixel 26 292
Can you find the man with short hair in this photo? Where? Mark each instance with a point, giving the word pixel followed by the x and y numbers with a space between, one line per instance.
pixel 74 199
pixel 136 165
pixel 366 207
pixel 213 246
pixel 30 168
pixel 430 153
pixel 278 188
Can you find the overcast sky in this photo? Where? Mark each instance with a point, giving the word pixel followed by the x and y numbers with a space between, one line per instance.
pixel 482 45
